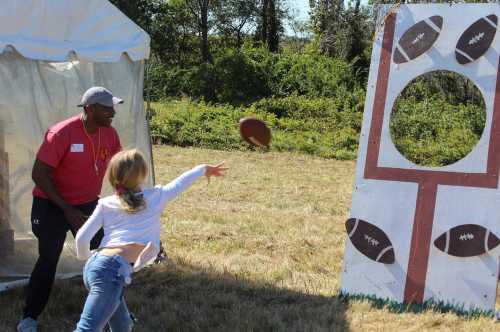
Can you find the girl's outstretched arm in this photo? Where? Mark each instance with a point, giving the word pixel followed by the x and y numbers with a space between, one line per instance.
pixel 177 186
pixel 216 170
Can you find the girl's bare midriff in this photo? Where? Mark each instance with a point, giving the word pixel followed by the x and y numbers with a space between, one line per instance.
pixel 129 251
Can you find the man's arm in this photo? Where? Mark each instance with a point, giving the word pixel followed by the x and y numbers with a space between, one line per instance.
pixel 42 176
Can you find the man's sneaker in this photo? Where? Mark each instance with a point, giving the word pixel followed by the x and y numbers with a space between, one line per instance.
pixel 27 325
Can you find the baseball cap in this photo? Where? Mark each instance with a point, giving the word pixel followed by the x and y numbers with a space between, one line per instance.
pixel 99 95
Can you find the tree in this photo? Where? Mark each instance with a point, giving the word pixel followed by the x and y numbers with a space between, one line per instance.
pixel 273 36
pixel 233 16
pixel 270 23
pixel 264 22
pixel 138 11
pixel 301 33
pixel 200 9
pixel 341 32
pixel 169 24
pixel 328 24
pixel 323 12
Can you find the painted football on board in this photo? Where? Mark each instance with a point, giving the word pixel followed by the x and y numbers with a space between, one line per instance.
pixel 476 40
pixel 467 240
pixel 370 240
pixel 418 39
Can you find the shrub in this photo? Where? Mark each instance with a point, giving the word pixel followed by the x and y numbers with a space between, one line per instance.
pixel 326 132
pixel 246 76
pixel 433 132
pixel 313 76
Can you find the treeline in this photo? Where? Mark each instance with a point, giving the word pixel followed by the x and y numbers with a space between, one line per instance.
pixel 221 51
pixel 215 61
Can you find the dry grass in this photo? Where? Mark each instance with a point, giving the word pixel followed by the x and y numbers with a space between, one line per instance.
pixel 260 250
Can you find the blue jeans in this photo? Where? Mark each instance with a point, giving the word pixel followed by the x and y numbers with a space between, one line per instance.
pixel 105 277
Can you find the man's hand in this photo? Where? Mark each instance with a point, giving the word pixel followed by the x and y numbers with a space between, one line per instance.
pixel 215 170
pixel 74 217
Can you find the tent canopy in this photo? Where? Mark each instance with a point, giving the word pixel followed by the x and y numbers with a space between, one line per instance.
pixel 57 30
pixel 51 51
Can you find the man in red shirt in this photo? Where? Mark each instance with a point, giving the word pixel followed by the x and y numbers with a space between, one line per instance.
pixel 68 174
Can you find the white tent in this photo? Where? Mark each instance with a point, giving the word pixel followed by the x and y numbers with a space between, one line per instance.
pixel 51 51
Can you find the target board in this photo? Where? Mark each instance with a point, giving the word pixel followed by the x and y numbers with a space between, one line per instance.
pixel 419 233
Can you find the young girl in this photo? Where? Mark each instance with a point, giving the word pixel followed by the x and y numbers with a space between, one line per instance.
pixel 131 222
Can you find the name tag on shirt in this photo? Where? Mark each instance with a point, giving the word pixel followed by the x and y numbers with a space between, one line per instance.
pixel 76 148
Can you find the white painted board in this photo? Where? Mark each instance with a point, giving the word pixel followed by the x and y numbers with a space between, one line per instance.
pixel 390 202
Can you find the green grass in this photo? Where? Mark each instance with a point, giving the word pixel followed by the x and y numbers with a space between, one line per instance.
pixel 260 250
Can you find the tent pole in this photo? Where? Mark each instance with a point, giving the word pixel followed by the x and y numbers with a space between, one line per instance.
pixel 148 114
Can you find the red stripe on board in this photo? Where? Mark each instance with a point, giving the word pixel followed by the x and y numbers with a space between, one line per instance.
pixel 438 177
pixel 498 284
pixel 420 243
pixel 380 96
pixel 494 148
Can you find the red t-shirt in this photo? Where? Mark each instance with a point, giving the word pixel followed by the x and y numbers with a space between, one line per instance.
pixel 68 149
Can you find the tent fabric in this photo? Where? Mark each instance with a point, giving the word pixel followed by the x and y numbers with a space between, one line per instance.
pixel 33 96
pixel 51 52
pixel 62 30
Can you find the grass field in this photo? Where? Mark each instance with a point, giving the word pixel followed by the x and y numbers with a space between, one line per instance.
pixel 260 250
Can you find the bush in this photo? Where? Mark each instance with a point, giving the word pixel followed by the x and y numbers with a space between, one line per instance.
pixel 165 82
pixel 433 132
pixel 313 104
pixel 313 76
pixel 184 123
pixel 235 78
pixel 246 76
pixel 430 132
pixel 339 109
pixel 329 132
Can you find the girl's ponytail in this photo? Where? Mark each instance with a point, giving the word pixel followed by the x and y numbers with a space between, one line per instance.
pixel 126 172
pixel 131 201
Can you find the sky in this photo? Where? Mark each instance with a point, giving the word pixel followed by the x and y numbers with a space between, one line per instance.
pixel 302 7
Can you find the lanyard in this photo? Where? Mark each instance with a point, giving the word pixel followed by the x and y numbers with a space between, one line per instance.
pixel 94 153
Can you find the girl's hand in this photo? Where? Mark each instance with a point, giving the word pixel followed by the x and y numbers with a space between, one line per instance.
pixel 216 170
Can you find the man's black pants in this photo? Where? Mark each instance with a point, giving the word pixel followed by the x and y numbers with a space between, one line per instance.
pixel 50 227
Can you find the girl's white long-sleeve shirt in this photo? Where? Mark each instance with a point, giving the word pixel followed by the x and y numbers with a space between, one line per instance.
pixel 143 227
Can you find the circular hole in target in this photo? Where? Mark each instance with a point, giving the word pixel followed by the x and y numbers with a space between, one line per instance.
pixel 438 118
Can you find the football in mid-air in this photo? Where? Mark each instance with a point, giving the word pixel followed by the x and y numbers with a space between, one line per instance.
pixel 467 240
pixel 418 39
pixel 255 131
pixel 476 40
pixel 370 240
